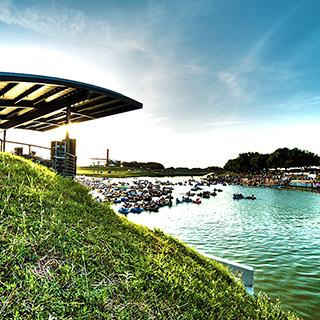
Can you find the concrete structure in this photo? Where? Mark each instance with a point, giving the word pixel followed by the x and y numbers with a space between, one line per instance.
pixel 243 272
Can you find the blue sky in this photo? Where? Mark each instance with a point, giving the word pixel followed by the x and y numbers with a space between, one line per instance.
pixel 215 77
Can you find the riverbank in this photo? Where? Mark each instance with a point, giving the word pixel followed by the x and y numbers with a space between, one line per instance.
pixel 278 180
pixel 272 180
pixel 303 189
pixel 122 172
pixel 65 255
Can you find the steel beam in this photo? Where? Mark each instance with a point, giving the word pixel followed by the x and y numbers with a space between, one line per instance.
pixel 8 87
pixel 47 108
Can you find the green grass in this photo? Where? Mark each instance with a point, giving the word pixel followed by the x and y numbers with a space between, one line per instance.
pixel 64 256
pixel 110 172
pixel 118 172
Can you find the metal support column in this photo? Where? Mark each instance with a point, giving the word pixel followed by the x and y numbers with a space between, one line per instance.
pixel 68 118
pixel 4 141
pixel 67 138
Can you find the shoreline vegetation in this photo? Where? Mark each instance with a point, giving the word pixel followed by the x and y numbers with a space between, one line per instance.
pixel 128 172
pixel 280 180
pixel 274 180
pixel 66 256
pixel 284 168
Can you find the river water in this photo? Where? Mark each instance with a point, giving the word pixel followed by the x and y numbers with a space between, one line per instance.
pixel 278 234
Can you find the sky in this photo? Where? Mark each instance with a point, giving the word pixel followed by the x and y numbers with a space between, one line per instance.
pixel 216 77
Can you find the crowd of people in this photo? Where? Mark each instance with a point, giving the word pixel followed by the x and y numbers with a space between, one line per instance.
pixel 270 179
pixel 137 195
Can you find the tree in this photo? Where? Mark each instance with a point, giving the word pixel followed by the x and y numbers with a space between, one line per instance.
pixel 154 166
pixel 258 162
pixel 143 165
pixel 282 157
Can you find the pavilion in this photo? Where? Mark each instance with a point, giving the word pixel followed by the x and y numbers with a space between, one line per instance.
pixel 43 103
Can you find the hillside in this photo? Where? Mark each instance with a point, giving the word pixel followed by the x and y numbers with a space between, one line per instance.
pixel 64 256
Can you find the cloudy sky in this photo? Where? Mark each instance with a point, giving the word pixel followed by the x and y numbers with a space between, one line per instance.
pixel 216 77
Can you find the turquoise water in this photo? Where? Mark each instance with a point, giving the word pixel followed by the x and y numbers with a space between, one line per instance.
pixel 278 234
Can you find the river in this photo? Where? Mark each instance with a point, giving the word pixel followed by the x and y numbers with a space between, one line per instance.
pixel 278 234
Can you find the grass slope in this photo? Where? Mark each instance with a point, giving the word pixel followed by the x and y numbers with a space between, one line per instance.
pixel 64 256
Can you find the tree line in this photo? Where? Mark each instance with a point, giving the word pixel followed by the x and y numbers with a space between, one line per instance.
pixel 158 166
pixel 142 165
pixel 280 158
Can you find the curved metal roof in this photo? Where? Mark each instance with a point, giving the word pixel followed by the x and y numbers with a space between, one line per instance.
pixel 40 103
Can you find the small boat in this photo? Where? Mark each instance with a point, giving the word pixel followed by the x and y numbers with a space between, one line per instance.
pixel 136 210
pixel 186 199
pixel 252 197
pixel 197 201
pixel 206 195
pixel 124 210
pixel 152 208
pixel 196 188
pixel 238 196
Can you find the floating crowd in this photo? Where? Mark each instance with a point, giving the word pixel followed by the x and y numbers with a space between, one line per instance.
pixel 137 195
pixel 144 195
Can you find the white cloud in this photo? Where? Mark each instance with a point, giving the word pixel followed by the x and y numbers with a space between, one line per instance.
pixel 51 20
pixel 231 80
pixel 194 68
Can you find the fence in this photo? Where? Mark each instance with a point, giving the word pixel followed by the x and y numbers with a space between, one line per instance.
pixel 31 147
pixel 65 166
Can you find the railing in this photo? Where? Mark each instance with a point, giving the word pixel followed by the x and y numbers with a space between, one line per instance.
pixel 65 166
pixel 30 146
pixel 70 165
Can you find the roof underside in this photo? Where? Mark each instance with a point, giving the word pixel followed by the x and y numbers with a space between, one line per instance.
pixel 40 103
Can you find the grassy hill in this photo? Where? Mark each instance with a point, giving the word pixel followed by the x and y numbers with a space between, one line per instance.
pixel 64 256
